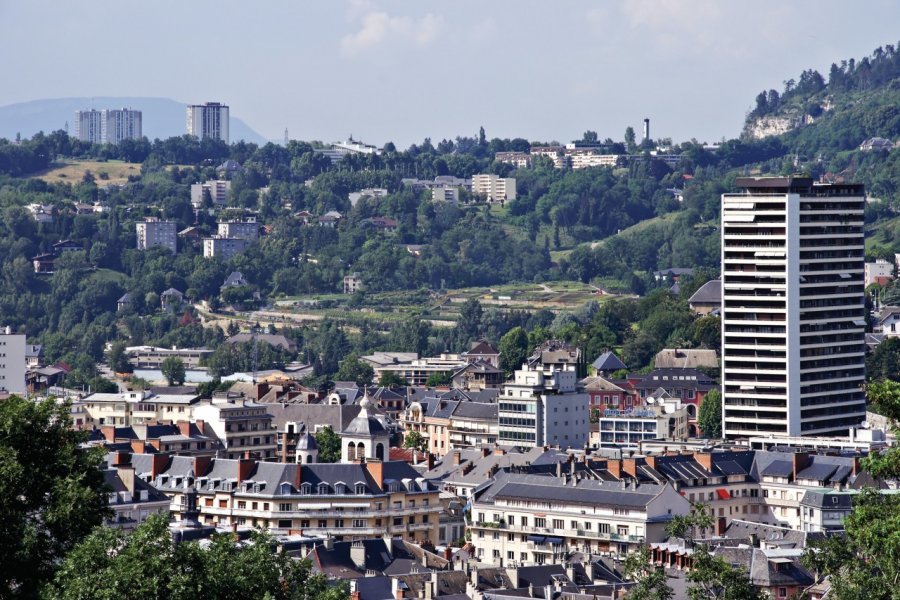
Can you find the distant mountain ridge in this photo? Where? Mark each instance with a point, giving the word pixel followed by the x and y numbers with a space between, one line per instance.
pixel 162 117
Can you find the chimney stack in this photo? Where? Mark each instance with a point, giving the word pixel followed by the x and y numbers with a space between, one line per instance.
pixel 456 457
pixel 109 432
pixel 376 469
pixel 614 466
pixel 245 467
pixel 704 459
pixel 121 458
pixel 201 465
pixel 158 464
pixel 429 461
pixel 799 461
pixel 126 474
pixel 184 428
pixel 138 446
pixel 284 447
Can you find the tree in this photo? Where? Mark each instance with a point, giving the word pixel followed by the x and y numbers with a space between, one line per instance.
pixel 329 444
pixel 173 370
pixel 117 359
pixel 884 361
pixel 438 379
pixel 469 323
pixel 650 580
pixel 391 379
pixel 630 139
pixel 353 369
pixel 863 562
pixel 513 349
pixel 415 440
pixel 52 492
pixel 709 419
pixel 148 564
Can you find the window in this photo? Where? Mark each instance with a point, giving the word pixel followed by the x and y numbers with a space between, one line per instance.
pixel 524 521
pixel 284 506
pixel 510 537
pixel 304 523
pixel 622 529
pixel 511 519
pixel 242 504
pixel 782 592
pixel 496 535
pixel 223 503
pixel 323 523
pixel 540 522
pixel 359 523
pixel 559 524
pixel 510 555
pixel 284 523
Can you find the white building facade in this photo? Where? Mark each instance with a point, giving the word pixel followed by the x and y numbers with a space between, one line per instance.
pixel 121 124
pixel 493 187
pixel 544 406
pixel 793 318
pixel 209 120
pixel 12 361
pixel 153 232
pixel 89 126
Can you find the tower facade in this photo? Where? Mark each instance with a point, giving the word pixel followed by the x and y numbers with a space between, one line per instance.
pixel 208 120
pixel 121 124
pixel 793 315
pixel 89 126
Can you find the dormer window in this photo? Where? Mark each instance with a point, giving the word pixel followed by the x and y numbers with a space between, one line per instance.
pixel 306 488
pixel 360 488
pixel 323 488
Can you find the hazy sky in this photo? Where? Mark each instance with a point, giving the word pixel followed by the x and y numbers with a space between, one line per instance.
pixel 405 70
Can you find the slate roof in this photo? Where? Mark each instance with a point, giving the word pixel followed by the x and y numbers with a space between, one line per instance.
pixel 476 410
pixel 828 498
pixel 236 278
pixel 608 361
pixel 365 424
pixel 307 442
pixel 709 293
pixel 482 347
pixel 587 491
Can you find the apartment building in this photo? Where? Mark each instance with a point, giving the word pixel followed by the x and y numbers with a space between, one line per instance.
pixel 12 361
pixel 449 422
pixel 346 502
pixel 217 189
pixel 239 424
pixel 120 124
pixel 209 120
pixel 247 229
pixel 445 194
pixel 881 272
pixel 520 160
pixel 663 417
pixel 544 406
pixel 89 126
pixel 793 318
pixel 493 187
pixel 152 357
pixel 130 498
pixel 222 247
pixel 153 232
pixel 537 519
pixel 136 408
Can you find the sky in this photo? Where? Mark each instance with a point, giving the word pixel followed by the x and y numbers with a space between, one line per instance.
pixel 405 70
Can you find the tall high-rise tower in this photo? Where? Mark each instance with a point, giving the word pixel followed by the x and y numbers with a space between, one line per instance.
pixel 89 126
pixel 793 317
pixel 208 120
pixel 121 124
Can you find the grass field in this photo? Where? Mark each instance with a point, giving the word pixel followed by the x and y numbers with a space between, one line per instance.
pixel 72 171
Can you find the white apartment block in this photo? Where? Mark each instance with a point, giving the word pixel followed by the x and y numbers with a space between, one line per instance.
pixel 120 124
pixel 224 248
pixel 879 270
pixel 538 519
pixel 89 126
pixel 544 406
pixel 587 158
pixel 445 194
pixel 153 232
pixel 208 120
pixel 217 188
pixel 136 408
pixel 240 424
pixel 247 229
pixel 12 361
pixel 793 319
pixel 493 187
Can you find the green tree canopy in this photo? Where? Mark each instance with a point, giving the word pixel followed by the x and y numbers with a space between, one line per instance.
pixel 52 493
pixel 173 370
pixel 356 370
pixel 390 379
pixel 329 444
pixel 148 564
pixel 709 419
pixel 415 440
pixel 514 348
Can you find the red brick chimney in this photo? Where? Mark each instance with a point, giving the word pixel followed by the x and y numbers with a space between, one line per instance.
pixel 614 466
pixel 651 461
pixel 629 465
pixel 121 458
pixel 799 461
pixel 376 469
pixel 498 451
pixel 704 459
pixel 184 428
pixel 109 432
pixel 200 426
pixel 485 452
pixel 138 446
pixel 298 476
pixel 158 464
pixel 245 467
pixel 154 443
pixel 201 465
pixel 855 469
pixel 456 457
pixel 720 526
pixel 429 461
